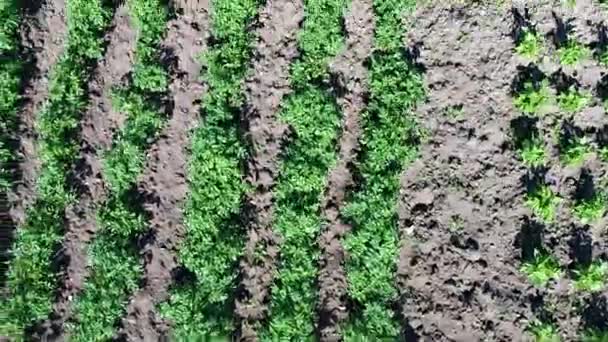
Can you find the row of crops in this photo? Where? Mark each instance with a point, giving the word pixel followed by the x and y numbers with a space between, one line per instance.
pixel 201 302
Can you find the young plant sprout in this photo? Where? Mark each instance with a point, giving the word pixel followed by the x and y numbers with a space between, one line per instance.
pixel 576 152
pixel 573 100
pixel 572 53
pixel 544 332
pixel 592 278
pixel 533 97
pixel 542 269
pixel 543 202
pixel 530 45
pixel 533 152
pixel 592 209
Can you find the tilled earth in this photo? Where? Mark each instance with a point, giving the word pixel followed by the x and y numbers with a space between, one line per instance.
pixel 465 229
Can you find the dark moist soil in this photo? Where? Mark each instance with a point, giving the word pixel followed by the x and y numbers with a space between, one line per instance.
pixel 276 48
pixel 461 204
pixel 98 124
pixel 163 184
pixel 42 32
pixel 350 77
pixel 465 229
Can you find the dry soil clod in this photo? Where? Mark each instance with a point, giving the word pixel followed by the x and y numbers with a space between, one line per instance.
pixel 351 77
pixel 164 184
pixel 275 49
pixel 97 125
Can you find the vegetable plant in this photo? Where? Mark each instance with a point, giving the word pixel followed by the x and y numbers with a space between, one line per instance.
pixel 542 269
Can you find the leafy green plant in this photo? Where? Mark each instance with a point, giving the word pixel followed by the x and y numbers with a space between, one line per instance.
pixel 314 117
pixel 530 46
pixel 214 238
pixel 592 278
pixel 592 209
pixel 533 152
pixel 576 151
pixel 388 145
pixel 542 269
pixel 595 335
pixel 533 97
pixel 543 202
pixel 544 332
pixel 572 53
pixel 573 100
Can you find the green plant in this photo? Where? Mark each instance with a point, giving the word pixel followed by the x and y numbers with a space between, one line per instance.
pixel 542 269
pixel 544 332
pixel 530 46
pixel 532 97
pixel 575 151
pixel 595 335
pixel 214 238
pixel 573 100
pixel 572 53
pixel 592 278
pixel 543 202
pixel 533 152
pixel 591 209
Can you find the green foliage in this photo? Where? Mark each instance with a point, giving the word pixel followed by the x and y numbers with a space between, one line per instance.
pixel 595 335
pixel 575 150
pixel 592 278
pixel 573 100
pixel 572 53
pixel 592 209
pixel 543 202
pixel 114 261
pixel 541 269
pixel 533 97
pixel 530 45
pixel 313 115
pixel 388 145
pixel 603 57
pixel 533 152
pixel 214 239
pixel 544 332
pixel 31 280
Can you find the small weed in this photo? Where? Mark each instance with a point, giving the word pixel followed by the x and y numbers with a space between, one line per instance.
pixel 532 98
pixel 572 53
pixel 544 332
pixel 543 202
pixel 591 209
pixel 530 45
pixel 576 152
pixel 456 223
pixel 533 152
pixel 573 100
pixel 592 278
pixel 454 112
pixel 543 268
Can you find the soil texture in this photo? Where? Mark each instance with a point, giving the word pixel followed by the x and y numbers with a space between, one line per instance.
pixel 350 76
pixel 276 48
pixel 164 184
pixel 98 124
pixel 461 204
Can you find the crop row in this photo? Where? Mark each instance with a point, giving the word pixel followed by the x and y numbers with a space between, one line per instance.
pixel 31 279
pixel 201 305
pixel 113 256
pixel 389 143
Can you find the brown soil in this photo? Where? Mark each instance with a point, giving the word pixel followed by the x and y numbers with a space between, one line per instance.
pixel 275 49
pixel 163 184
pixel 350 73
pixel 461 204
pixel 98 124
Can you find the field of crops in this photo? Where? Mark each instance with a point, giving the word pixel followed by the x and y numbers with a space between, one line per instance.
pixel 303 170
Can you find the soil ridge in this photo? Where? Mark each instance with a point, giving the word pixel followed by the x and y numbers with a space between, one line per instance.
pixel 275 49
pixel 350 76
pixel 163 183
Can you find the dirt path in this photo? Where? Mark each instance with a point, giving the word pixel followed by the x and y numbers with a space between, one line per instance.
pixel 276 48
pixel 98 124
pixel 164 180
pixel 461 204
pixel 43 33
pixel 351 76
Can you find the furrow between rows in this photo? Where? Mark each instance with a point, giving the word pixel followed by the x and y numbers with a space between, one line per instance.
pixel 163 183
pixel 275 49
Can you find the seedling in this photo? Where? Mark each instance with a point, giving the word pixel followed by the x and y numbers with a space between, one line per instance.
pixel 533 152
pixel 541 269
pixel 454 112
pixel 532 98
pixel 592 278
pixel 591 209
pixel 530 45
pixel 573 100
pixel 456 224
pixel 544 332
pixel 572 53
pixel 543 202
pixel 576 152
